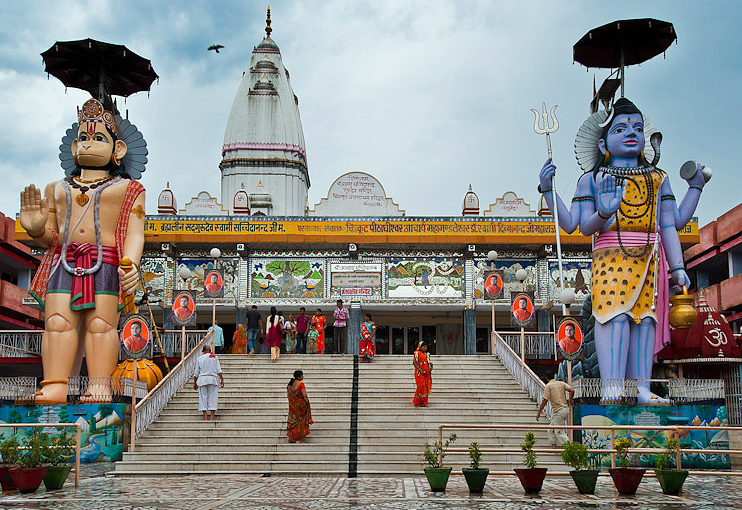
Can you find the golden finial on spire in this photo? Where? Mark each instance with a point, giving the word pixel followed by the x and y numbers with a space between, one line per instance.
pixel 268 28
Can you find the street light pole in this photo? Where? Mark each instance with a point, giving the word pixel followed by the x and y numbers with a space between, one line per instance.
pixel 491 257
pixel 215 254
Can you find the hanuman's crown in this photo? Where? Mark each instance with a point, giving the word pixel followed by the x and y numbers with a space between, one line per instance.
pixel 93 111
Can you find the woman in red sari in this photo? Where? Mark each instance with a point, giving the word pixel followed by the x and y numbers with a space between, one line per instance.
pixel 318 323
pixel 239 340
pixel 300 414
pixel 367 348
pixel 423 378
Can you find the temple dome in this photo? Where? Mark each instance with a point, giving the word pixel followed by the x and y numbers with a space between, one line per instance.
pixel 264 139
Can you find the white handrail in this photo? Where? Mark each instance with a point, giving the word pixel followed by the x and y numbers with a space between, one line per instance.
pixel 20 343
pixel 150 406
pixel 520 371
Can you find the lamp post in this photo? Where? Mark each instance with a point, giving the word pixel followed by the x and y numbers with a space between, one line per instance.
pixel 491 257
pixel 215 254
pixel 567 297
pixel 521 275
pixel 185 274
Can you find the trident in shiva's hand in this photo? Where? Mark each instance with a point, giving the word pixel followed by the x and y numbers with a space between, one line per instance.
pixel 547 130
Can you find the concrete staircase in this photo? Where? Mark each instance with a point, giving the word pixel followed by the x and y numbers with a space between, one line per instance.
pixel 250 433
pixel 475 390
pixel 249 436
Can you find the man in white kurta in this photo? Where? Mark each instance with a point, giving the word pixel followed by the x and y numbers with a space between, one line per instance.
pixel 207 379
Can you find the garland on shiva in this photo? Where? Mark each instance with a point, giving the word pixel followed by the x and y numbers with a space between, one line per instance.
pixel 626 202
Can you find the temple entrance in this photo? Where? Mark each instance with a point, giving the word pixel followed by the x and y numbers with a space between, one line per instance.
pixel 403 339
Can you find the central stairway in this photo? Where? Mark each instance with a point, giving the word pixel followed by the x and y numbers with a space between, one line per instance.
pixel 250 436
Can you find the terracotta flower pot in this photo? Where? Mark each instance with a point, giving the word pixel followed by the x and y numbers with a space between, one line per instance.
pixel 28 479
pixel 6 481
pixel 475 478
pixel 56 476
pixel 627 480
pixel 438 478
pixel 531 479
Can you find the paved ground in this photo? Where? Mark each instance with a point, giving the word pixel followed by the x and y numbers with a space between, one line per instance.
pixel 242 492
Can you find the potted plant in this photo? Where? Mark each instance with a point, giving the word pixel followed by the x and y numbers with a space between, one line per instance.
pixel 56 454
pixel 575 455
pixel 29 475
pixel 625 478
pixel 9 451
pixel 531 477
pixel 475 476
pixel 671 480
pixel 436 474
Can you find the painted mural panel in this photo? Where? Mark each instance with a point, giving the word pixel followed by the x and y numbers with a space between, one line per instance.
pixel 509 267
pixel 153 274
pixel 576 277
pixel 201 266
pixel 101 425
pixel 425 278
pixel 701 415
pixel 271 278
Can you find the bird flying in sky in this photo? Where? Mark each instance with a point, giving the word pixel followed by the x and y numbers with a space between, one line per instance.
pixel 215 47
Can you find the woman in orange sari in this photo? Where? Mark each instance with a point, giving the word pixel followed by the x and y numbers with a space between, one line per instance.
pixel 318 323
pixel 423 377
pixel 239 340
pixel 300 414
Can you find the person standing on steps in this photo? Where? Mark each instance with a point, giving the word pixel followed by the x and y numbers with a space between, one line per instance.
pixel 239 340
pixel 302 324
pixel 274 333
pixel 555 393
pixel 254 326
pixel 300 414
pixel 290 328
pixel 367 346
pixel 340 327
pixel 207 379
pixel 423 376
pixel 218 337
pixel 318 325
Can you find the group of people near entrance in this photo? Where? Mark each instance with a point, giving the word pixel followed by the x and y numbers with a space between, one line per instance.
pixel 298 334
pixel 208 378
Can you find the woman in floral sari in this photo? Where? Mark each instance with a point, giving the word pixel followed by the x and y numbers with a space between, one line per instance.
pixel 367 349
pixel 239 340
pixel 423 378
pixel 300 414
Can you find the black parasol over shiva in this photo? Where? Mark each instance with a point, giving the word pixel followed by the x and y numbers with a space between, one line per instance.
pixel 103 69
pixel 623 43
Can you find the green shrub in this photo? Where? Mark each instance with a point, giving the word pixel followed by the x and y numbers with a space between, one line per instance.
pixel 475 454
pixel 575 455
pixel 430 454
pixel 529 459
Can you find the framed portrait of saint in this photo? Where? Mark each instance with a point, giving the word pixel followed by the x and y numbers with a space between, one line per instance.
pixel 494 281
pixel 184 308
pixel 522 307
pixel 135 335
pixel 568 336
pixel 214 283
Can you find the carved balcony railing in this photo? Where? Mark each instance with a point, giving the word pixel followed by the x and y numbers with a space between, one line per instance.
pixel 21 343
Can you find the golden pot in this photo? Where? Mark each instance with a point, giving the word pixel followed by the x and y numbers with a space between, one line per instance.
pixel 682 314
pixel 146 371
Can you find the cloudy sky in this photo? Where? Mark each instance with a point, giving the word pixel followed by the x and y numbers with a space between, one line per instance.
pixel 427 95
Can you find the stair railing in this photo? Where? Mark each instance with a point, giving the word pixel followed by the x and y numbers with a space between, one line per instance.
pixel 520 371
pixel 149 408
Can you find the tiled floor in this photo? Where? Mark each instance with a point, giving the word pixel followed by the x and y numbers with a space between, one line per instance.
pixel 236 492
